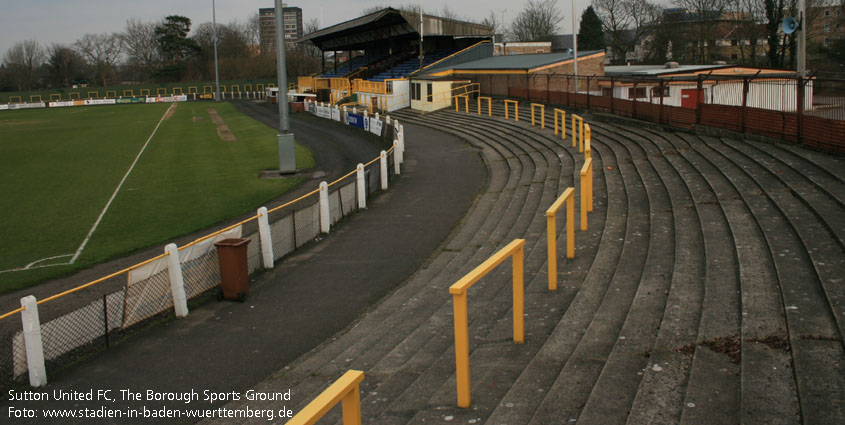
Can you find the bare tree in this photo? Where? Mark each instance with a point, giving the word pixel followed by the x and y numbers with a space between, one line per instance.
pixel 311 50
pixel 64 65
pixel 749 21
pixel 707 14
pixel 102 52
pixel 492 20
pixel 139 41
pixel 537 21
pixel 448 13
pixel 22 62
pixel 626 22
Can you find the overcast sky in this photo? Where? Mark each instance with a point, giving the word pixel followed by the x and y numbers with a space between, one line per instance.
pixel 63 21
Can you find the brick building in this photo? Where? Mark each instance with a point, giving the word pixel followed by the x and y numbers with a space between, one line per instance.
pixel 291 21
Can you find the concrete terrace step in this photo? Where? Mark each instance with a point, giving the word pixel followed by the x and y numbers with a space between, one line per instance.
pixel 707 290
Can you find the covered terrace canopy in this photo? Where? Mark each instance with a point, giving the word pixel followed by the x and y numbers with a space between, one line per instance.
pixel 391 24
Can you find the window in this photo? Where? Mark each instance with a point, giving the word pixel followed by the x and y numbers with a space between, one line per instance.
pixel 655 92
pixel 639 94
pixel 826 41
pixel 415 91
pixel 539 51
pixel 606 92
pixel 734 42
pixel 826 27
pixel 734 56
pixel 827 12
pixel 430 93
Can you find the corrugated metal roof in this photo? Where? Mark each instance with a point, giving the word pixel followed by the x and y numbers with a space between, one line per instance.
pixel 391 22
pixel 624 70
pixel 517 62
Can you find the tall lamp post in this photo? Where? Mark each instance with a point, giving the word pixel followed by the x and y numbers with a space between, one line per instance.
pixel 287 153
pixel 214 34
pixel 574 48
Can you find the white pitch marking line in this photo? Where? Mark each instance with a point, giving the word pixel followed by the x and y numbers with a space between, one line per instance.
pixel 125 176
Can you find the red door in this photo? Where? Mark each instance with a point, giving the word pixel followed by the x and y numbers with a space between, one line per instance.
pixel 689 98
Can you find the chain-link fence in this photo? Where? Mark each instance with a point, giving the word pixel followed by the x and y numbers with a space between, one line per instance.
pixel 99 313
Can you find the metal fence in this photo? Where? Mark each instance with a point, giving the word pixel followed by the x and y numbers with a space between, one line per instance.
pixel 136 296
pixel 810 111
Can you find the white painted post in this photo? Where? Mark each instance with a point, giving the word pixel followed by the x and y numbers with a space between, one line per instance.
pixel 32 341
pixel 376 115
pixel 177 283
pixel 354 109
pixel 383 168
pixel 325 218
pixel 362 187
pixel 266 237
pixel 402 138
pixel 387 119
pixel 366 114
pixel 344 109
pixel 397 157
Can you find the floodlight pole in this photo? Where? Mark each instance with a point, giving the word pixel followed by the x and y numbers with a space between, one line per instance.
pixel 287 154
pixel 216 68
pixel 421 38
pixel 802 39
pixel 574 48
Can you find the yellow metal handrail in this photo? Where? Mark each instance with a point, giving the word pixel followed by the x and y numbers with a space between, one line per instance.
pixel 567 198
pixel 467 89
pixel 587 137
pixel 345 390
pixel 515 108
pixel 562 114
pixel 575 130
pixel 459 289
pixel 586 191
pixel 321 84
pixel 542 114
pixel 489 105
pixel 466 102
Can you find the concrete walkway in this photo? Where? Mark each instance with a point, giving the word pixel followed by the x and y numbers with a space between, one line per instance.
pixel 310 296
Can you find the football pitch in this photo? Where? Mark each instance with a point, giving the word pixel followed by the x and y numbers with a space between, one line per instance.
pixel 82 185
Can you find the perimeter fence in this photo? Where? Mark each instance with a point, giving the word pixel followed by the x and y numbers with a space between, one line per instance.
pixel 810 111
pixel 91 317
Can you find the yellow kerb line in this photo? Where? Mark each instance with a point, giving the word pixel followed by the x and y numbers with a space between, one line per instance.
pixel 542 114
pixel 568 197
pixel 459 289
pixel 345 390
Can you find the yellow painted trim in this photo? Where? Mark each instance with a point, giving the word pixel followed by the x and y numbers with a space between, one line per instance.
pixel 345 390
pixel 568 61
pixel 456 53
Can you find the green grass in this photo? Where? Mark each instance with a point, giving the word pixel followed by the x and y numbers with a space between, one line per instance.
pixel 58 168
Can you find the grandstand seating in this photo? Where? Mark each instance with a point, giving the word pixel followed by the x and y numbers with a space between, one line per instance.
pixel 347 67
pixel 408 67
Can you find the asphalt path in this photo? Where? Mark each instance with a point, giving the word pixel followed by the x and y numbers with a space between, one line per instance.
pixel 225 348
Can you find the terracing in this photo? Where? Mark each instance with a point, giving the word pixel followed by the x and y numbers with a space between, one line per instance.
pixel 708 289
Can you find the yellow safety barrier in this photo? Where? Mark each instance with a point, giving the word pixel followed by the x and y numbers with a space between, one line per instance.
pixel 515 108
pixel 562 114
pixel 260 87
pixel 192 89
pixel 489 105
pixel 15 99
pixel 32 98
pixel 586 191
pixel 466 102
pixel 542 114
pixel 175 92
pixel 161 91
pixel 459 289
pixel 93 94
pixel 111 94
pixel 587 138
pixel 146 92
pixel 248 87
pixel 55 96
pixel 207 89
pixel 128 93
pixel 574 130
pixel 72 97
pixel 345 390
pixel 567 198
pixel 234 88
